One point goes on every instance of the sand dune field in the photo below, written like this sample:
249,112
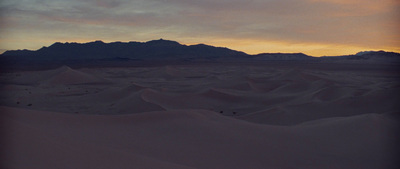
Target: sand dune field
200,116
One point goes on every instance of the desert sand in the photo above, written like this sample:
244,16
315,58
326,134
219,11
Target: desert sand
200,116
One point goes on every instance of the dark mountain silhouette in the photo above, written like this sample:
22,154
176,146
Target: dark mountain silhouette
156,49
366,57
375,55
161,52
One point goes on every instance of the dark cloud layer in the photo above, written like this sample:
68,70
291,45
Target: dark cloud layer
314,25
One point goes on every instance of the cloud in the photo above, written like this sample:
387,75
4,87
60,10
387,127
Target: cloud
108,3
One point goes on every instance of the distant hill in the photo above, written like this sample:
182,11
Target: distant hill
366,57
283,56
161,51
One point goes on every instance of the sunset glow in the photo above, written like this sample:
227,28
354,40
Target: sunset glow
313,27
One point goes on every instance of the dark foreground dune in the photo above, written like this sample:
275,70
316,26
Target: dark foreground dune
201,116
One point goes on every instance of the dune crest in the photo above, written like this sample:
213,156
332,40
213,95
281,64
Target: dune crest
67,76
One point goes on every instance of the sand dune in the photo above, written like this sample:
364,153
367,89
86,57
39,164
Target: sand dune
134,103
200,116
67,76
60,76
193,139
332,93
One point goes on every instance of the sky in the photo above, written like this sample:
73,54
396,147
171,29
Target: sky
313,27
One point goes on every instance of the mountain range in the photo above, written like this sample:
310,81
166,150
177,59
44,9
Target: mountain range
161,50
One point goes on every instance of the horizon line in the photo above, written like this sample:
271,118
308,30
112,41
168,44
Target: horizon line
188,44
